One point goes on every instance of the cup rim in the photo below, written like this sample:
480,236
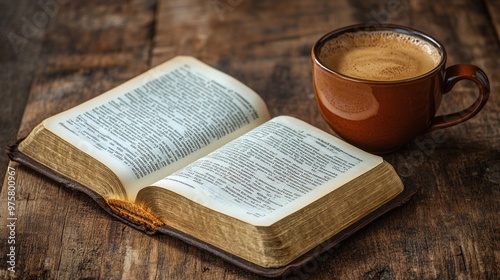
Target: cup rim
375,27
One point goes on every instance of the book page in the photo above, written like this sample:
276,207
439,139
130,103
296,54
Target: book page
160,121
271,171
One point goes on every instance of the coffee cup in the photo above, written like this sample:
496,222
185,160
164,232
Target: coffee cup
379,87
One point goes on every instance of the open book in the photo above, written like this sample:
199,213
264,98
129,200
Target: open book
186,150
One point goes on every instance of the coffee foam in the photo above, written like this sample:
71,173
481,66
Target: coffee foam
379,55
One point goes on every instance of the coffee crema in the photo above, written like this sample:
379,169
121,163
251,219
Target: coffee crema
379,55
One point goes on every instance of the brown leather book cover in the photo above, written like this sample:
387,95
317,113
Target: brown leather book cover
315,253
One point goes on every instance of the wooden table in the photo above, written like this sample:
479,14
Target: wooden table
57,54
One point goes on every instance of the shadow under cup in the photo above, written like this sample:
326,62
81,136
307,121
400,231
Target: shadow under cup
382,114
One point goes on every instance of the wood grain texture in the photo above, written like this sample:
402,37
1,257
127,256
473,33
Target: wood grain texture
494,14
19,49
449,230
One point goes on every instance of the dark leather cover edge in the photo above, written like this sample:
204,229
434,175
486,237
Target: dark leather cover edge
315,253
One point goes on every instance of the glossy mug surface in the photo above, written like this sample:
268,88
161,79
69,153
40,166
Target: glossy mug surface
379,87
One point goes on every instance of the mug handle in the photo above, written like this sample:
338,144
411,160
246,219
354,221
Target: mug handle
454,74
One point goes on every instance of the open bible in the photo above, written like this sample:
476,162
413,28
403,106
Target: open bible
188,151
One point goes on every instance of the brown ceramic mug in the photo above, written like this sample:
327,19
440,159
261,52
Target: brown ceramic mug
379,87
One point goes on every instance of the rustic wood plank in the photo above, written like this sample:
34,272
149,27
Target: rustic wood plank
494,13
449,230
20,46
